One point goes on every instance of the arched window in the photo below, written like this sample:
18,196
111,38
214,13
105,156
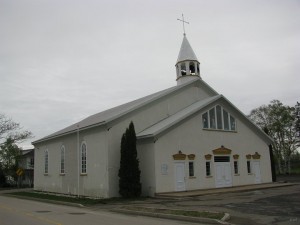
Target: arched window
46,161
183,69
62,159
83,158
219,119
192,68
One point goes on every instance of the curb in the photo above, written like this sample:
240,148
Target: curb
175,217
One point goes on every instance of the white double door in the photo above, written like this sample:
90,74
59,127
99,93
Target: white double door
223,174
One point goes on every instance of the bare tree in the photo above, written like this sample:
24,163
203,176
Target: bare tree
12,130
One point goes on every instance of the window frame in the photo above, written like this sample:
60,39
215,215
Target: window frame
249,167
236,167
46,162
211,119
208,168
62,159
83,161
191,169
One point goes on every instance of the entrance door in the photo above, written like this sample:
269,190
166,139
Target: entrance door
223,171
256,171
180,176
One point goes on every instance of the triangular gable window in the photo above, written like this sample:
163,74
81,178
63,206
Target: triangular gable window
218,118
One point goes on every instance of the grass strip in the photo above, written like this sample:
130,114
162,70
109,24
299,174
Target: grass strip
73,199
190,213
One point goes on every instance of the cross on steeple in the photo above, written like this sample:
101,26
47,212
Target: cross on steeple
183,21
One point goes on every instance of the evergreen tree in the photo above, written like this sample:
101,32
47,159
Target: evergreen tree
129,173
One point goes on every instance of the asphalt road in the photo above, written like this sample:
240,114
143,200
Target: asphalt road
15,211
279,206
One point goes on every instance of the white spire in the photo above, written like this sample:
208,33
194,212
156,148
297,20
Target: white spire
186,52
187,65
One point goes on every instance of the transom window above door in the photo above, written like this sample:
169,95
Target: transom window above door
218,118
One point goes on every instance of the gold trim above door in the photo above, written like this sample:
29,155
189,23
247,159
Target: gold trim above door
222,151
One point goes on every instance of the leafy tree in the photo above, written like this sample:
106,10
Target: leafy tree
129,172
10,134
2,177
277,120
9,155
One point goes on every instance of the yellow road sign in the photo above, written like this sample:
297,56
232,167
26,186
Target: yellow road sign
20,172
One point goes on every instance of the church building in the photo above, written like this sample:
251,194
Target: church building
189,137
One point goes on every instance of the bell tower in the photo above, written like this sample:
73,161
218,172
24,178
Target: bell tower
187,65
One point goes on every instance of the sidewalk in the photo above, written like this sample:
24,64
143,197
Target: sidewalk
221,190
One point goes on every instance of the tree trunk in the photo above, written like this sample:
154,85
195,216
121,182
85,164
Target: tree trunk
279,165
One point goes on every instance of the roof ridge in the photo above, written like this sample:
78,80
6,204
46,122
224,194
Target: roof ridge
89,122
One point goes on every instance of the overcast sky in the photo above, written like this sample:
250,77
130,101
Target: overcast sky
63,60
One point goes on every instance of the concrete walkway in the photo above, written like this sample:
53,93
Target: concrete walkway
202,192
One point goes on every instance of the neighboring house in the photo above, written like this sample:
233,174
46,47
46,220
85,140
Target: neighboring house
189,137
25,167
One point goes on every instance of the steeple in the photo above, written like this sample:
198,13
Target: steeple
187,65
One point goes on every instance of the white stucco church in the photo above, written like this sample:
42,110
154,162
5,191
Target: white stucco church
189,137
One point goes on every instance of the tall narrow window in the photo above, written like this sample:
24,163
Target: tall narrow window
236,167
219,117
226,120
248,166
62,159
191,169
212,119
83,158
208,172
46,162
31,164
205,120
232,123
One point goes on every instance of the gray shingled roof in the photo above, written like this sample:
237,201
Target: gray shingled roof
186,52
177,117
114,113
